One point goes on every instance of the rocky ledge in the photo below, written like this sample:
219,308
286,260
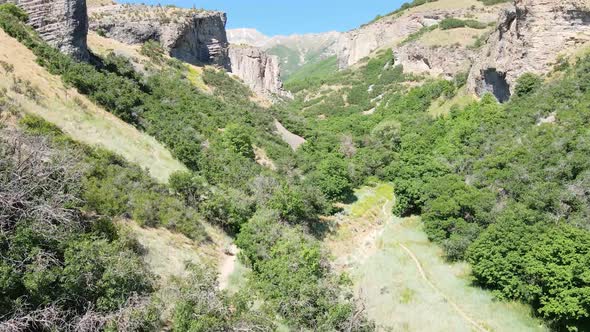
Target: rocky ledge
194,36
62,23
530,37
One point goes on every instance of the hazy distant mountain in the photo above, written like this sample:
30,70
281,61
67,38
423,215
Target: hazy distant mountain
294,50
247,36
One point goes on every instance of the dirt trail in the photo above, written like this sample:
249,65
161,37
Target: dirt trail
404,282
476,325
227,266
456,307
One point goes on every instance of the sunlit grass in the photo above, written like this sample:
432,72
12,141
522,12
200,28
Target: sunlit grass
398,297
79,117
388,279
195,76
371,197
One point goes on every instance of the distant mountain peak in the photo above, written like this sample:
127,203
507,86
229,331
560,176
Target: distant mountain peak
247,36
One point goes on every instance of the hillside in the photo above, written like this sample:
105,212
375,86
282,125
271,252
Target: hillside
75,114
294,51
428,170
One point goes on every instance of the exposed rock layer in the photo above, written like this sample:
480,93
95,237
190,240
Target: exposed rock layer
529,38
257,69
194,36
62,23
445,61
357,44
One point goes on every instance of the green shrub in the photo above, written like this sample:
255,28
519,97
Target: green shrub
14,11
333,179
453,23
493,2
203,308
526,84
237,139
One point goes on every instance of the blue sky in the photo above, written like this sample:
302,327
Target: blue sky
287,17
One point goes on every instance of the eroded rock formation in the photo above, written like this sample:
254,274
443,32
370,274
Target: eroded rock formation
530,37
62,23
194,36
357,44
443,61
257,69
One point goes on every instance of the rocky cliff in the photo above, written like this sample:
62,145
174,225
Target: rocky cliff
293,51
388,31
194,36
257,69
62,23
529,38
441,60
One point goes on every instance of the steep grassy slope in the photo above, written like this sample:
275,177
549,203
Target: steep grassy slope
76,115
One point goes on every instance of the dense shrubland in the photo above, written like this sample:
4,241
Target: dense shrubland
504,187
61,265
225,186
501,186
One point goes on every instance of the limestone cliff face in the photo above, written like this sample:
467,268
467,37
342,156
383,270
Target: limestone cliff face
529,38
257,69
357,44
354,45
62,23
194,36
440,61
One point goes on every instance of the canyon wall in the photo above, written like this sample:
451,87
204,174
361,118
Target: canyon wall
62,23
194,36
257,69
529,37
389,31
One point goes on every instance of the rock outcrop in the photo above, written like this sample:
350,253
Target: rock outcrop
441,61
194,36
62,23
530,37
294,51
257,69
357,44
388,31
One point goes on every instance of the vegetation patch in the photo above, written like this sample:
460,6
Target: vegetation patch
454,23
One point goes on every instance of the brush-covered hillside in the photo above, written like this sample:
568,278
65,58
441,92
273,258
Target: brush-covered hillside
429,170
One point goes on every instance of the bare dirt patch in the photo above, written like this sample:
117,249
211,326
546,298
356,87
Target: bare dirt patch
293,140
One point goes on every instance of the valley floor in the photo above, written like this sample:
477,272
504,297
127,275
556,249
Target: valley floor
403,280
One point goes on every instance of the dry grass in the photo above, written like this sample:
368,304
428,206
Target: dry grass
405,283
79,117
103,46
445,4
263,159
357,228
167,253
461,36
99,3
